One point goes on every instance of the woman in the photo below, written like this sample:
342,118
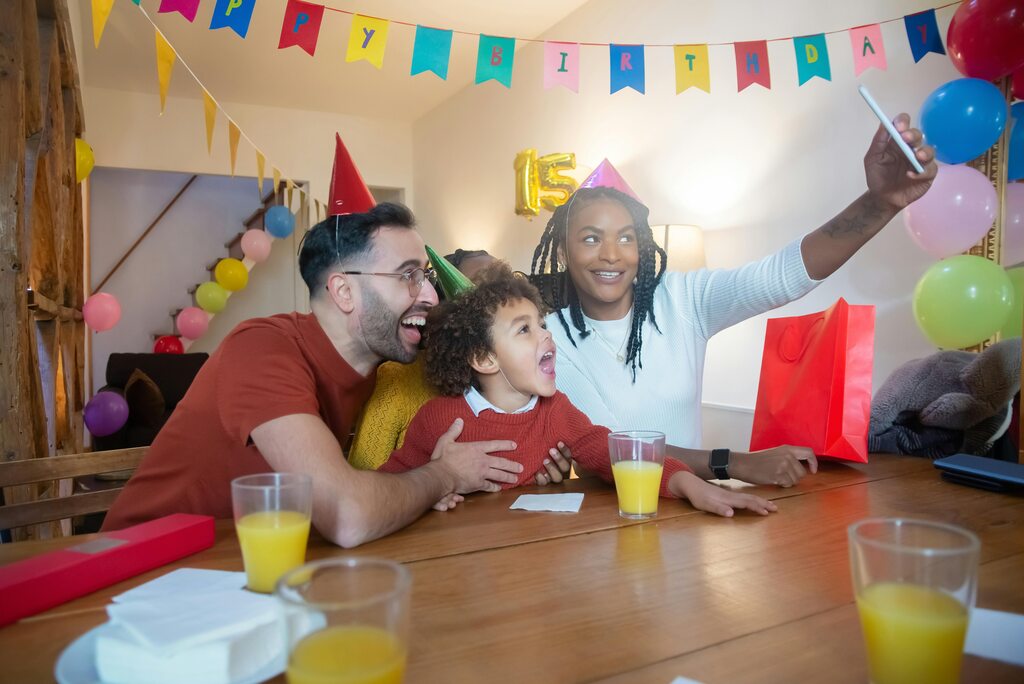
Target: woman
632,339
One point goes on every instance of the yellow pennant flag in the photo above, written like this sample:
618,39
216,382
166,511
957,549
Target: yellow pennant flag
317,211
692,67
260,162
100,13
233,135
290,187
277,180
367,40
164,66
210,108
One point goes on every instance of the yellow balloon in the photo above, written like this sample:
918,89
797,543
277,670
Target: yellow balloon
551,181
526,183
231,274
84,160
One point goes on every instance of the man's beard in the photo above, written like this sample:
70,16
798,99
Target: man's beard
380,328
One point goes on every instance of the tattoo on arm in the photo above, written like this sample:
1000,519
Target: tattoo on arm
859,219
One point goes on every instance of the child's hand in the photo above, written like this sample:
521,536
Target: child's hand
448,502
708,497
557,467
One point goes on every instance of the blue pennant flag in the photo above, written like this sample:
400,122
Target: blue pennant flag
430,51
812,58
233,14
923,34
627,67
494,59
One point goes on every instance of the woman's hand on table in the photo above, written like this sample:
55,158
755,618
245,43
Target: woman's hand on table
705,496
780,466
556,467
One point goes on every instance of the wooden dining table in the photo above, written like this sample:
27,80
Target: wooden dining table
514,596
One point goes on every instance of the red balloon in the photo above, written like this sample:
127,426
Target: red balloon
168,344
1018,84
986,38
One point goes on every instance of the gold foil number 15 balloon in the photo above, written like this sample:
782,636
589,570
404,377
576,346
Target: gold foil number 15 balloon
539,182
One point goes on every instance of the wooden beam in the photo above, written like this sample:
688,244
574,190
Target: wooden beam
71,465
20,515
44,308
34,75
57,10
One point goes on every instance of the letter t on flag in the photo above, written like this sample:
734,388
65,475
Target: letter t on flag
562,65
367,40
692,67
301,25
868,48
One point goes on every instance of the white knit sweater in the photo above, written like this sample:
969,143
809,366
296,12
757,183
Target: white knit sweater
690,308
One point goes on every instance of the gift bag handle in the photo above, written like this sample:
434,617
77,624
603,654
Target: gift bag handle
808,337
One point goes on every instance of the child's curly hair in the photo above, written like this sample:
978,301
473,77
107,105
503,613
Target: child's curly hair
459,330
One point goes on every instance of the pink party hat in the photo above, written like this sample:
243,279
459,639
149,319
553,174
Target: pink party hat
605,176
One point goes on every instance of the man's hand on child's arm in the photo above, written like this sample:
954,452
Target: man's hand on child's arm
705,496
557,467
470,463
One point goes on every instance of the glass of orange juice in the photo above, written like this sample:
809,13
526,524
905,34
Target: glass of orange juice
348,621
272,514
638,458
915,582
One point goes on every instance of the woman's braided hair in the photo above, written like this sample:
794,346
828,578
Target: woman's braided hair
650,269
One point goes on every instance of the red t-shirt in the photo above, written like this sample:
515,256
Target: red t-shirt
552,420
266,368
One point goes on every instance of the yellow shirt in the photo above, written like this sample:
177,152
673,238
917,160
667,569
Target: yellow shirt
400,392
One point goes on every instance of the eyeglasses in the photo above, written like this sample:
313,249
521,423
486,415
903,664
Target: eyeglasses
413,279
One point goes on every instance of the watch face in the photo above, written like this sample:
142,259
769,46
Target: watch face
719,458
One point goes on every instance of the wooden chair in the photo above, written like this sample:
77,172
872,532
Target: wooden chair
36,470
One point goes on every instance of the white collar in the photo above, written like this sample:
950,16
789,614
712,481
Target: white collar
478,403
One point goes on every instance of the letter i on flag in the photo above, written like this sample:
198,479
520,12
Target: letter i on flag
430,51
812,58
100,14
301,25
752,65
186,8
923,34
692,67
367,40
494,59
868,48
562,65
233,14
165,57
627,67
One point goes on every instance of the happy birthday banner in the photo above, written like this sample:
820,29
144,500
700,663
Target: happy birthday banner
368,39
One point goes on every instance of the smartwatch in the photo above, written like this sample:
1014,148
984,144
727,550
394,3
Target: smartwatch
719,463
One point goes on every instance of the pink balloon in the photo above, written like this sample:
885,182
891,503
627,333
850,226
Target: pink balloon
101,312
1013,226
954,214
192,322
256,244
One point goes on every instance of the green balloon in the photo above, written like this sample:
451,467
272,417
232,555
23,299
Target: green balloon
962,301
1015,323
211,297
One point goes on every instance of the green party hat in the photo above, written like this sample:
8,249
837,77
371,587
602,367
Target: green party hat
451,279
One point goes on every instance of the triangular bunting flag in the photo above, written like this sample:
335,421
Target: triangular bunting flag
186,8
260,166
923,34
494,58
349,194
100,14
752,65
165,57
868,48
277,180
812,58
301,25
627,67
289,189
367,40
562,65
233,14
210,112
430,51
233,136
319,211
693,69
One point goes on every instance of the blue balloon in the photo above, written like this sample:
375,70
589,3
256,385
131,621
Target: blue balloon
963,118
278,221
1015,155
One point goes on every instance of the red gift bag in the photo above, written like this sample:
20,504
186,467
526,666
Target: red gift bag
815,387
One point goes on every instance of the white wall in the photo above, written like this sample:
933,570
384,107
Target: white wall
756,169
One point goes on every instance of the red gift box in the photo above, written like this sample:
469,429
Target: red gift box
50,579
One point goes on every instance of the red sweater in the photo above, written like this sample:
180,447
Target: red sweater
552,420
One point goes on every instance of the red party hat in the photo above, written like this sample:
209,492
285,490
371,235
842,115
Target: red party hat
605,176
349,194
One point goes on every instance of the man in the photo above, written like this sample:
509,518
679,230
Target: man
282,393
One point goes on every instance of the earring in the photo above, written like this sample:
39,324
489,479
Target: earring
634,281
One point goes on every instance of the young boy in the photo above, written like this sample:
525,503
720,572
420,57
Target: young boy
492,359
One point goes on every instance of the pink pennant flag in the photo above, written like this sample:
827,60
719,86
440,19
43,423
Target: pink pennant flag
562,65
868,48
186,8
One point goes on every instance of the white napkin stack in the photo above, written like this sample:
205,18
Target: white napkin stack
558,503
190,625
